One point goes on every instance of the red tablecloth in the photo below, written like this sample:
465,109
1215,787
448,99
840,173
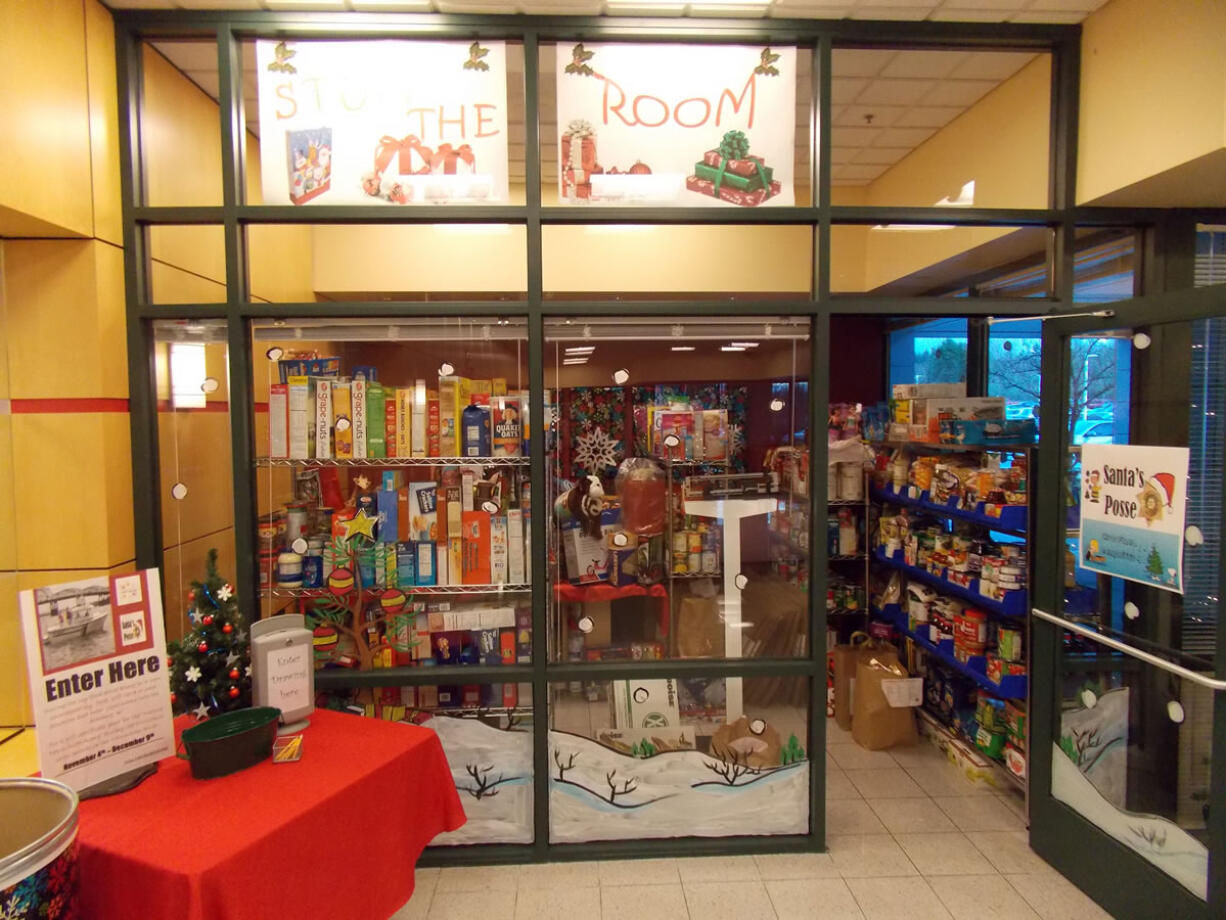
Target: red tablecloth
334,835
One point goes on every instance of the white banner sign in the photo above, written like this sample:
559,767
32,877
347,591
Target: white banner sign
1133,500
686,125
96,651
405,122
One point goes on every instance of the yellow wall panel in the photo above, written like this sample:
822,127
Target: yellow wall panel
14,692
169,285
8,544
180,137
44,108
183,564
112,340
4,324
103,121
215,366
52,294
117,462
195,450
199,249
281,259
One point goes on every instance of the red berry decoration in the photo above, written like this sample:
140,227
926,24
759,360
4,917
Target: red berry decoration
234,674
208,620
202,647
233,692
227,629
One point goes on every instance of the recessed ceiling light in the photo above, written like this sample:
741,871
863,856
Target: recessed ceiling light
732,348
574,360
682,348
744,344
581,350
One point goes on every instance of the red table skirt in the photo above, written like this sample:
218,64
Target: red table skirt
334,835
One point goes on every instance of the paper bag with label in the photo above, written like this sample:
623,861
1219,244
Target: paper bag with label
700,631
875,723
845,657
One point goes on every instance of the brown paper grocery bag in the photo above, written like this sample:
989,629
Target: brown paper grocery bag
845,657
700,632
876,724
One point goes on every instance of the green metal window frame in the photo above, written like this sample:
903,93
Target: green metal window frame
226,29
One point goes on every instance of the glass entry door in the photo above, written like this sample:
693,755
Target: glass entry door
1129,647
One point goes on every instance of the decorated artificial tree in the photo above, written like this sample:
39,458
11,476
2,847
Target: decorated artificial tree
210,667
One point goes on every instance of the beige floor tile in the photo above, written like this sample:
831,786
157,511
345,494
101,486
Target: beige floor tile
944,854
479,878
1054,897
813,899
1015,802
494,904
418,906
836,735
643,902
919,755
944,779
559,875
556,903
980,813
869,855
838,786
639,872
852,816
897,899
854,757
1010,853
978,897
729,901
911,816
428,875
795,865
892,783
718,869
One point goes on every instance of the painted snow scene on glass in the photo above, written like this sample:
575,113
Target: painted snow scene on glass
491,762
643,769
1090,775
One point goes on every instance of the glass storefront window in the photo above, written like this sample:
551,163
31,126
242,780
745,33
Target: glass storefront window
933,351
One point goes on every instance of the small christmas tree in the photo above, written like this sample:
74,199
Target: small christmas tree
1154,564
210,667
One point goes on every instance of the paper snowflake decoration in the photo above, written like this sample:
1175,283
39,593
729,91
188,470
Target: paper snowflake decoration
595,450
736,440
225,592
192,674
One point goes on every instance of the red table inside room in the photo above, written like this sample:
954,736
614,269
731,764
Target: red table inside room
334,835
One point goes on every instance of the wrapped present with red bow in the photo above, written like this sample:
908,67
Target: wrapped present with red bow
309,157
731,174
578,160
451,161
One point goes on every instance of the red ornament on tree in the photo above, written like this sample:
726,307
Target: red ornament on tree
202,647
227,629
191,595
208,620
234,674
233,692
173,698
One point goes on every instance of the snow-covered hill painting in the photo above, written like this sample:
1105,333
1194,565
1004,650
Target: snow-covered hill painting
596,793
492,769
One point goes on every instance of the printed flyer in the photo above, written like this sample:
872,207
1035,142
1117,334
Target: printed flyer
95,653
379,122
1133,500
684,125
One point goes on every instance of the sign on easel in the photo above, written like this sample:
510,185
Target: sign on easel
96,655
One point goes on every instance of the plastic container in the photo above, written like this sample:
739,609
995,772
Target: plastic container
38,853
230,742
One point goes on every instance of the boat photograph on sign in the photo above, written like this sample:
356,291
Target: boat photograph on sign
74,623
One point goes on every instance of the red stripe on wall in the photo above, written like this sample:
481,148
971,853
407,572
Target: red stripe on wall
52,406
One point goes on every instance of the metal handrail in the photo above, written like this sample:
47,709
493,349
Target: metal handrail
1197,677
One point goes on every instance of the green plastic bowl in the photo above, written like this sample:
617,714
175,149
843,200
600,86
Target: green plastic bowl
230,742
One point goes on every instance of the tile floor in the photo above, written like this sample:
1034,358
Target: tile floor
909,839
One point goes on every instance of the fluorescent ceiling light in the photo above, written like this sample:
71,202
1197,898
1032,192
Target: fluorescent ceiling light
581,350
574,360
965,199
744,344
913,228
682,348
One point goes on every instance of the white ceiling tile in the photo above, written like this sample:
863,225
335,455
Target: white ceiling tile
881,156
840,155
809,12
928,117
991,65
140,4
614,8
248,52
845,89
895,92
563,7
836,111
189,55
304,4
470,6
944,15
218,4
903,137
860,62
738,10
959,92
853,137
897,4
892,13
848,183
1011,6
1052,17
860,171
1068,6
814,4
869,116
207,80
932,65
392,6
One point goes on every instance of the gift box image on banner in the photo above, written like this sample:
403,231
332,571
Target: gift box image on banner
676,124
379,122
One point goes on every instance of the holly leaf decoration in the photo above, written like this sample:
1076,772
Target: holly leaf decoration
579,56
475,54
767,66
283,53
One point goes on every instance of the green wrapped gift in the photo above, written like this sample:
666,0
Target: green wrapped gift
743,183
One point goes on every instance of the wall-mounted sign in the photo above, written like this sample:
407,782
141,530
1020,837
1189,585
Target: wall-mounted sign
95,651
1133,500
401,122
686,125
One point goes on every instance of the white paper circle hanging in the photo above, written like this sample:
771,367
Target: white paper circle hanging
776,405
671,440
1088,699
741,581
274,353
620,376
490,507
300,546
586,624
1174,710
342,424
178,491
620,539
757,726
1131,610
446,369
209,385
1141,341
1193,536
641,694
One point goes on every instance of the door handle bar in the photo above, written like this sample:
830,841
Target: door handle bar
1197,677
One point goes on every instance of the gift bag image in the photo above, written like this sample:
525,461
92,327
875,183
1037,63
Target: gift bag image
876,723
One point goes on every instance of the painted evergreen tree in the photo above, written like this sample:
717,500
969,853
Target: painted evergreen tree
1154,564
210,667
